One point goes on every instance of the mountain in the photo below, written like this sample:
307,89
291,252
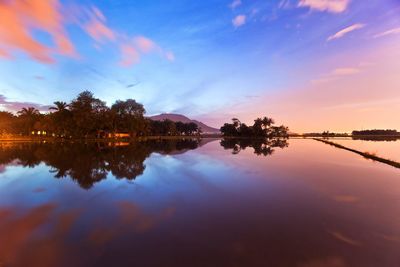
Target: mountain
178,117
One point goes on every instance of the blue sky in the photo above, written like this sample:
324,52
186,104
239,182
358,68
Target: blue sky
206,59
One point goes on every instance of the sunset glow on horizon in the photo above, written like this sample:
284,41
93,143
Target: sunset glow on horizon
313,65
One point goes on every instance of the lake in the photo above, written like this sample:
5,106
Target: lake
294,202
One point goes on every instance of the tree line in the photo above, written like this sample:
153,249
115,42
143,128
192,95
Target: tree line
262,127
87,116
376,132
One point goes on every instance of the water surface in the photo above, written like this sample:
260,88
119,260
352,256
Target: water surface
191,203
388,148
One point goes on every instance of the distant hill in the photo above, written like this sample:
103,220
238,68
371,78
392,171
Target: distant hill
178,117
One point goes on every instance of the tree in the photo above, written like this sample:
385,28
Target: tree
7,123
128,116
261,128
59,106
88,115
28,117
61,117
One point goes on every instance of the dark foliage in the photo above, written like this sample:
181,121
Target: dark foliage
263,147
376,132
89,117
261,128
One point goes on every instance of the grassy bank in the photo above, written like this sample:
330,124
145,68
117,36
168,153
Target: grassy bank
364,154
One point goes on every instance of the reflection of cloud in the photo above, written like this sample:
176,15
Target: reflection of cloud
345,31
39,190
16,231
16,106
328,262
340,236
345,198
131,216
333,6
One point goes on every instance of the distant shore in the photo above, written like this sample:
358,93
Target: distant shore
141,138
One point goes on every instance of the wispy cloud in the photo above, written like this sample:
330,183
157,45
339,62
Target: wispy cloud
21,19
345,31
345,71
96,27
15,106
284,4
336,74
170,56
388,32
239,20
333,6
129,55
235,4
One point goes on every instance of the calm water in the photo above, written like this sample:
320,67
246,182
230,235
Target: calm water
184,203
388,149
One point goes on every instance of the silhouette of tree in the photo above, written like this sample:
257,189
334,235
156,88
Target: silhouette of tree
261,128
28,117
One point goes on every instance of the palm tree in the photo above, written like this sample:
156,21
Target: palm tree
59,106
60,116
29,117
28,112
266,122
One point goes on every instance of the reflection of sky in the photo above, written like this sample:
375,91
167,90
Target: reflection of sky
310,64
307,199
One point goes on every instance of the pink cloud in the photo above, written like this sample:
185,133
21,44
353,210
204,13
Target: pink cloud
345,31
346,71
129,55
21,18
170,56
144,44
96,27
239,20
388,32
235,4
15,106
333,6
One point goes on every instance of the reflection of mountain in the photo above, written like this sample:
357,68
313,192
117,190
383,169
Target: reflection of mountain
91,162
263,147
177,117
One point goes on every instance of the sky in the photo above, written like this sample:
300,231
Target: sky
313,65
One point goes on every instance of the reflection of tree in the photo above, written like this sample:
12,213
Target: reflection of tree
263,147
377,138
90,163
